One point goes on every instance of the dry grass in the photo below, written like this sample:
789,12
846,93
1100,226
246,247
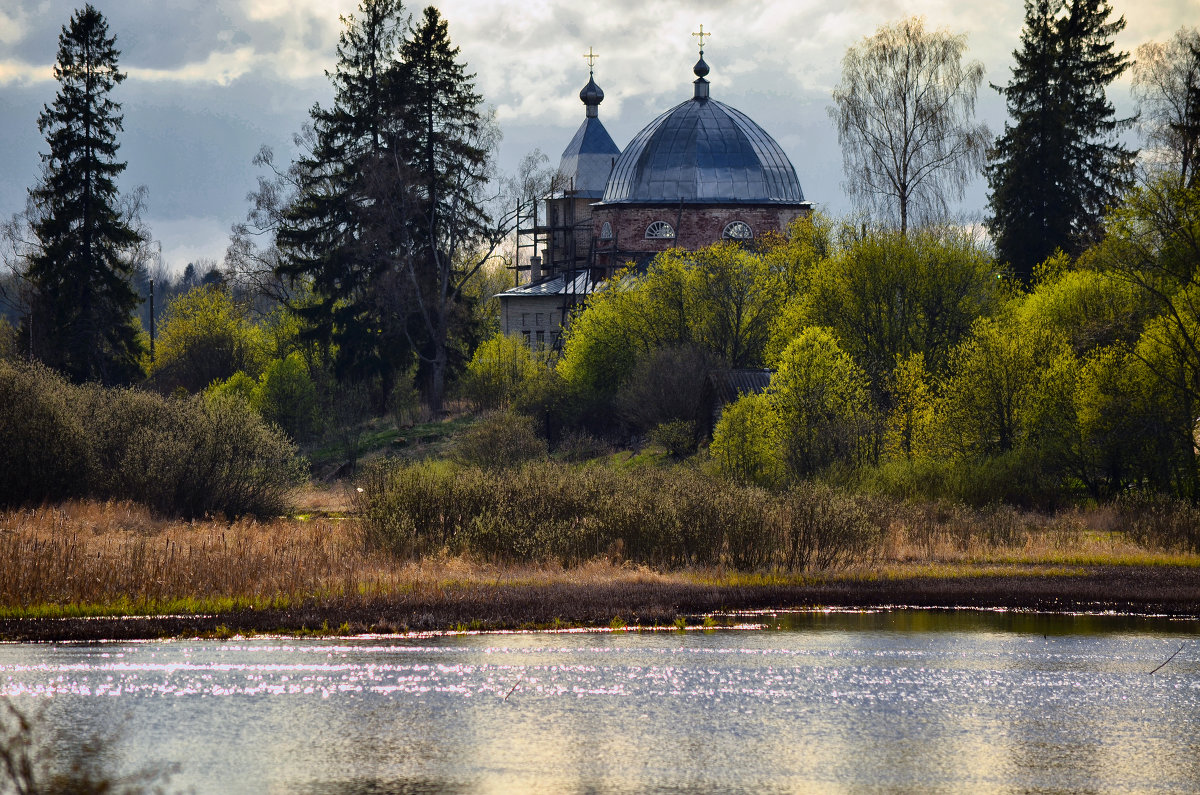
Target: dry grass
91,558
115,557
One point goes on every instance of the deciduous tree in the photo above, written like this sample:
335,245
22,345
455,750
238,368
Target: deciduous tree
1166,82
905,117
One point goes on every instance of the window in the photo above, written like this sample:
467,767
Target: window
660,230
606,231
738,230
538,319
541,339
524,318
526,335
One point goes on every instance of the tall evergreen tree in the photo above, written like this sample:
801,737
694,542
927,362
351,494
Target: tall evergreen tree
448,141
388,221
339,231
1057,165
80,316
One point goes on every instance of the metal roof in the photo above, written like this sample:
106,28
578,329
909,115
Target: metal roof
703,152
588,159
580,283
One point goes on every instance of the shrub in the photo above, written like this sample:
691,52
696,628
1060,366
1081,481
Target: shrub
745,444
45,448
189,456
664,517
667,385
1159,521
823,528
498,371
287,396
499,440
205,337
678,437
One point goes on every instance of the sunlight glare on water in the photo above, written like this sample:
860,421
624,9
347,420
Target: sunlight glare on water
884,701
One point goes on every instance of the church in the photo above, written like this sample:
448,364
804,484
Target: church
700,173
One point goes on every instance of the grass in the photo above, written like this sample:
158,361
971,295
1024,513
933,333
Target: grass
90,559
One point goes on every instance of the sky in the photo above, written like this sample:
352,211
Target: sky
212,81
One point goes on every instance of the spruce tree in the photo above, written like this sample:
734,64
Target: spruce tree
80,316
448,142
388,215
1057,165
342,230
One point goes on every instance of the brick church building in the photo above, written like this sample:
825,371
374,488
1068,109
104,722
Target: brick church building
700,173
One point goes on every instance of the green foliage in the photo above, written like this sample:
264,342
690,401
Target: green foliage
1089,308
46,450
989,398
677,437
80,316
287,396
821,399
746,442
501,439
204,338
237,385
189,457
500,372
886,296
721,300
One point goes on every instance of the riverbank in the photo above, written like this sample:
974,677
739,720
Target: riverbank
93,571
656,601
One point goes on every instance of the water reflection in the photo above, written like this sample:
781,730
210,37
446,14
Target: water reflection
894,700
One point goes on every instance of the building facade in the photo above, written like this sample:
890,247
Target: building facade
700,173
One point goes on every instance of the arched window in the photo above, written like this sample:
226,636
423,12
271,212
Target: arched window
738,230
606,231
660,230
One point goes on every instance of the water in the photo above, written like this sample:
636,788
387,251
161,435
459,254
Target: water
889,701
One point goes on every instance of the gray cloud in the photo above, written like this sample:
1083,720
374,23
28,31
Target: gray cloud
212,81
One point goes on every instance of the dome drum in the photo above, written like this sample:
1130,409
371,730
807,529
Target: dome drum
694,227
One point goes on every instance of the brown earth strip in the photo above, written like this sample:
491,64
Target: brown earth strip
1150,590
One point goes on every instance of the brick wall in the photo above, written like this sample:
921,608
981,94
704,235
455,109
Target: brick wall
695,226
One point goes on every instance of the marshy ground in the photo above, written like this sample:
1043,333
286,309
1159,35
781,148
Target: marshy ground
88,570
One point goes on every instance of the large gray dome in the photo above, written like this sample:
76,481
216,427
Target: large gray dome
703,152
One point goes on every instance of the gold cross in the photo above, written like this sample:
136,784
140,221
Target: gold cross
701,36
591,58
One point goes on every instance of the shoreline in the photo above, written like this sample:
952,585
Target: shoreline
1159,590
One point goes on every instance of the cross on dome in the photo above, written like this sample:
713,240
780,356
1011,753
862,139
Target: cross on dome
701,36
590,57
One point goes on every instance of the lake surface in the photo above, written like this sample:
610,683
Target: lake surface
890,701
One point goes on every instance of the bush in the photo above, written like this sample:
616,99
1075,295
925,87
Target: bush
663,517
823,528
287,396
45,448
1159,521
205,337
189,456
497,373
677,437
500,440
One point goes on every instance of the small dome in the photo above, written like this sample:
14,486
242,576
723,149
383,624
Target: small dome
703,152
591,93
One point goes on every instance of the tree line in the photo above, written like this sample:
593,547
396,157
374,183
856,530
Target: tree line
362,265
